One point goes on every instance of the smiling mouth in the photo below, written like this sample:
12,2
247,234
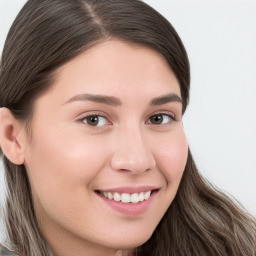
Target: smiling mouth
126,197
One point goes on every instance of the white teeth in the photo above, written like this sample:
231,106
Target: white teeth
135,198
147,195
110,196
127,198
117,197
141,196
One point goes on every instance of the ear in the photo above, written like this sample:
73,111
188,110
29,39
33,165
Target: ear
12,137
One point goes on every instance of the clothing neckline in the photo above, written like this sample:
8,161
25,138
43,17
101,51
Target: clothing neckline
8,250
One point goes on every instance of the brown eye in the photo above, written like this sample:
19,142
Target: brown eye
161,119
156,119
95,120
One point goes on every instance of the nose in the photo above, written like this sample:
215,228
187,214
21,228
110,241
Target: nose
133,153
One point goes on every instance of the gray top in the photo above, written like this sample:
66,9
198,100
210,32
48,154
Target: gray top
4,251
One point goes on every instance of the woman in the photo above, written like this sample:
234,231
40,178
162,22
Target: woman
92,95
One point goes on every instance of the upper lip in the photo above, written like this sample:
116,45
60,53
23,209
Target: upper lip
130,190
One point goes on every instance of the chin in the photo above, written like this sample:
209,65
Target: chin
129,242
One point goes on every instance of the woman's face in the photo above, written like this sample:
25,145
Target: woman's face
109,127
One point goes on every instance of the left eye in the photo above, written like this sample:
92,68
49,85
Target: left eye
95,120
160,119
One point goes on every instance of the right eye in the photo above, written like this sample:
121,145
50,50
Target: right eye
94,120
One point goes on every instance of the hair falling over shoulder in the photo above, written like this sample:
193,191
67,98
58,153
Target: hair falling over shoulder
47,34
203,221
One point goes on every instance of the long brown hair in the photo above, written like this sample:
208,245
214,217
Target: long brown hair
46,34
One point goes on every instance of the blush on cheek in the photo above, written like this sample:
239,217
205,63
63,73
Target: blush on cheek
173,161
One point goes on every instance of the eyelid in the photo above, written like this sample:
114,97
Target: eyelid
92,113
164,112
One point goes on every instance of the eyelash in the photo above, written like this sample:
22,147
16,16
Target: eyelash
98,116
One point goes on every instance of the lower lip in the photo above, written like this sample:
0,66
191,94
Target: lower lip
129,209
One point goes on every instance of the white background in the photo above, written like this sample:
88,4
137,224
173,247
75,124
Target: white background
220,123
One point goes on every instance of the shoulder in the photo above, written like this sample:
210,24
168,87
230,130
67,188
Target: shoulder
6,252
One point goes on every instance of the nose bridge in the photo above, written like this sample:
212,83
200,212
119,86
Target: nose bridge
132,152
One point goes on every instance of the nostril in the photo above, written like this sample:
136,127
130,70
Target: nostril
134,170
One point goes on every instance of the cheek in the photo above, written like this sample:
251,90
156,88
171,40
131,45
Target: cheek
60,170
66,153
62,165
172,157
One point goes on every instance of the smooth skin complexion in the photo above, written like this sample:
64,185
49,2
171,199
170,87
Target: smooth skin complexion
112,123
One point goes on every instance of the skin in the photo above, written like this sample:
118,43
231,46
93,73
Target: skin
68,159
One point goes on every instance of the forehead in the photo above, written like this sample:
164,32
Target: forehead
116,68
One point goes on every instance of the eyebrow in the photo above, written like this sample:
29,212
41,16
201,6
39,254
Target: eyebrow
171,97
108,100
114,101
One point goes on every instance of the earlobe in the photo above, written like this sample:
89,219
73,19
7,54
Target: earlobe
11,137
